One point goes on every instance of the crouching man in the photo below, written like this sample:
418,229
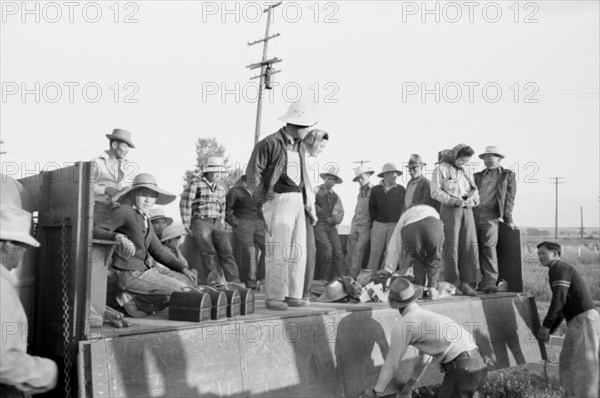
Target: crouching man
464,368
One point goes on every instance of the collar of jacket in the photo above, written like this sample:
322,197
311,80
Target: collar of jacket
499,168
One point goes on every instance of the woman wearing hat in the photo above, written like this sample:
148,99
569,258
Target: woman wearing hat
129,224
456,353
458,194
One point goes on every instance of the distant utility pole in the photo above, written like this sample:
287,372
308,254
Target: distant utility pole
556,182
266,69
581,228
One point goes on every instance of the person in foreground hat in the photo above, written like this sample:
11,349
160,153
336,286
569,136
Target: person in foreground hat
458,194
171,240
330,214
110,172
463,367
385,207
159,220
497,189
129,224
277,174
420,234
19,372
245,217
202,209
578,367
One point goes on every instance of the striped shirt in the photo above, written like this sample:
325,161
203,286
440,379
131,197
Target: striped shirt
201,199
570,296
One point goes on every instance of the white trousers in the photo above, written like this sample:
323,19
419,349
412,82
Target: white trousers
285,246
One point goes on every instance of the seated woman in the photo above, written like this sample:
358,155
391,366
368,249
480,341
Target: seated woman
129,224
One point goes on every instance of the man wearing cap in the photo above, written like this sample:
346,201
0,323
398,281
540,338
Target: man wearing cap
111,172
463,367
19,372
578,367
360,228
330,214
159,220
418,189
497,189
277,173
385,207
129,224
202,208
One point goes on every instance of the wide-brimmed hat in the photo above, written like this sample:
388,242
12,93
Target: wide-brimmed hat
491,150
331,172
415,160
213,164
389,167
173,231
158,213
402,293
15,225
121,135
147,180
334,291
301,113
362,169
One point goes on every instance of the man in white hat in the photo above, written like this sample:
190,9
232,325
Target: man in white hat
385,208
418,188
19,372
497,189
456,353
330,214
203,210
111,172
277,173
360,228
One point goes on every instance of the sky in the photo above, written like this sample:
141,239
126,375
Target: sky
389,78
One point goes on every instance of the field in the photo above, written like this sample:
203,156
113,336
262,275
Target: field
521,382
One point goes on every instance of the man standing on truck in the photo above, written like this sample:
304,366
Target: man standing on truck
19,372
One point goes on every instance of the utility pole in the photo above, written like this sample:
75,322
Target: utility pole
266,69
581,228
556,182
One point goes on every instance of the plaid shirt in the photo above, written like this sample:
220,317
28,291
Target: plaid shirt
202,200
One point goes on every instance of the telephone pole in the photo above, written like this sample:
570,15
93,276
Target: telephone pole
266,69
581,228
556,182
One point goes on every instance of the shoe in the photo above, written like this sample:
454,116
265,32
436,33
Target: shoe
276,305
489,288
502,286
294,302
433,293
126,301
251,284
467,290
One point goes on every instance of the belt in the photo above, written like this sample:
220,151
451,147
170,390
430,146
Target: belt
286,189
208,219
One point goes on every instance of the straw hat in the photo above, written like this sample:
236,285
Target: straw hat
15,223
146,180
158,213
334,291
213,164
121,135
301,113
389,167
331,172
362,169
491,150
173,231
402,293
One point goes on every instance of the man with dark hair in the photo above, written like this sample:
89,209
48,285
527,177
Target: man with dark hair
497,189
571,300
110,172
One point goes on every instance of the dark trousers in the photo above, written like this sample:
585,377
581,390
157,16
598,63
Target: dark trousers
329,252
215,247
487,224
463,375
311,258
423,242
250,236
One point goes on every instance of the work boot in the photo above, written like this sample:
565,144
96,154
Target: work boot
467,290
126,301
251,284
276,305
294,302
433,293
489,288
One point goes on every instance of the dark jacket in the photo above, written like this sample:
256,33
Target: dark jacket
506,190
267,163
386,206
422,195
570,296
240,204
126,220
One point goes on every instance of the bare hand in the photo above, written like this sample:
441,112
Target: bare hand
544,334
511,225
189,274
110,191
126,245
